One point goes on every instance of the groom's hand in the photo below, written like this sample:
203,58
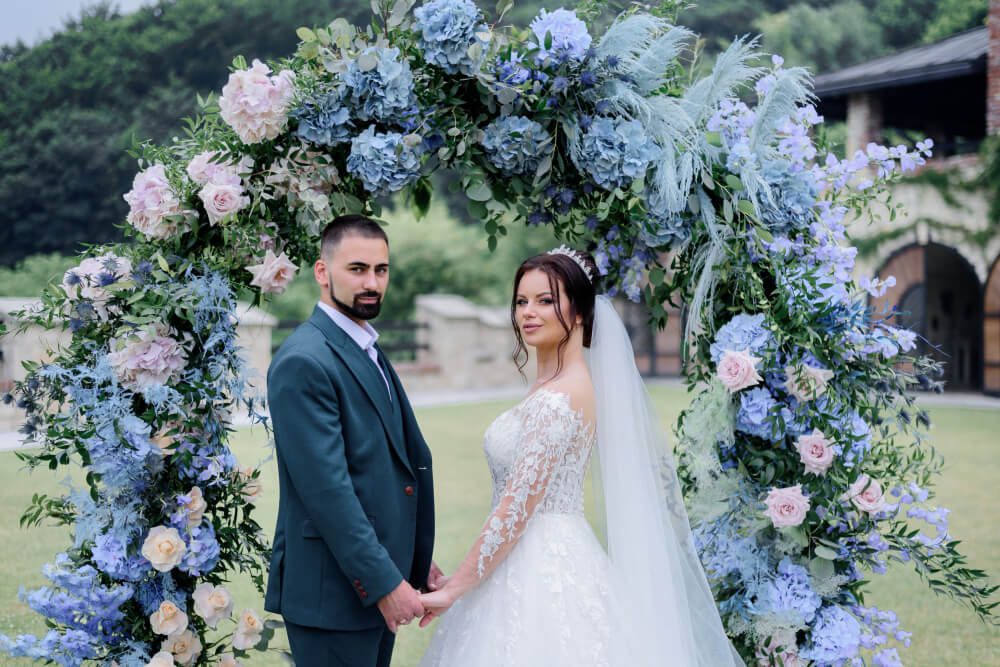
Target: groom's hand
436,578
400,606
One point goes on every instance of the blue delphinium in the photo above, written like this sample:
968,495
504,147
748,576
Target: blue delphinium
324,119
789,206
742,332
789,595
380,84
68,648
570,39
516,145
836,637
447,29
615,152
383,161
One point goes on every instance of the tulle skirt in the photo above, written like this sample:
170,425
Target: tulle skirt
550,603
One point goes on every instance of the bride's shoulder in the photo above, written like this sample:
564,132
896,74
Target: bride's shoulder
575,391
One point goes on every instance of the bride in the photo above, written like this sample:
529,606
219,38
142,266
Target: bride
537,587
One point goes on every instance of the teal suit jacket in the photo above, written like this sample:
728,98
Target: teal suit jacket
356,506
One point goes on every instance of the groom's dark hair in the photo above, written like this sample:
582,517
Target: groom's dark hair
352,223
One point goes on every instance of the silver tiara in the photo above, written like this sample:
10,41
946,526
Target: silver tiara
575,256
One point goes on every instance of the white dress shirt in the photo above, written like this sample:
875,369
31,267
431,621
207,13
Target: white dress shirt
364,335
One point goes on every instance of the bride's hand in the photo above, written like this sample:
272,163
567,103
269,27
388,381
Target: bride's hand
435,603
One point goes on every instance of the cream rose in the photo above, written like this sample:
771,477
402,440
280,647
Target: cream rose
185,647
163,548
162,659
806,383
195,506
212,603
738,370
168,619
253,488
222,200
273,274
866,494
815,451
787,506
248,630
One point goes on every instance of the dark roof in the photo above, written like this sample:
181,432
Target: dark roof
959,55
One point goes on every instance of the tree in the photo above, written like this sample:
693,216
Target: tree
954,16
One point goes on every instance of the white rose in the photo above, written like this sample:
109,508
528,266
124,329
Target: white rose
806,383
162,659
273,274
227,660
248,630
212,603
163,548
195,506
738,370
168,619
185,647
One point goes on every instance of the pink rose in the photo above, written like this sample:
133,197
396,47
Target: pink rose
781,649
273,274
154,209
205,167
805,382
866,494
738,370
223,199
787,506
815,451
255,104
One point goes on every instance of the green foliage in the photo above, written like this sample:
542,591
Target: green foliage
954,16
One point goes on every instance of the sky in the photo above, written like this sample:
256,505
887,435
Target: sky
34,20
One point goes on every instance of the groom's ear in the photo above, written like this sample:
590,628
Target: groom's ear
319,272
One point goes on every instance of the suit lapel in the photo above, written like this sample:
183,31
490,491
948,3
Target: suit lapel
365,372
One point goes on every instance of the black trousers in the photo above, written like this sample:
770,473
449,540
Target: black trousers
315,647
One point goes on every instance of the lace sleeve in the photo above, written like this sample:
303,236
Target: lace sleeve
549,434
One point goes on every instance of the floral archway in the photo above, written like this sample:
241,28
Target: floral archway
802,453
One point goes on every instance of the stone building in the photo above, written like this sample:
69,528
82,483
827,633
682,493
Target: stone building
943,249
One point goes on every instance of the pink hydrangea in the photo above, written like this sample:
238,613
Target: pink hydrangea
147,357
91,279
154,208
255,104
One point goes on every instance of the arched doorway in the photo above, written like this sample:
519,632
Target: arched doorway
938,295
991,331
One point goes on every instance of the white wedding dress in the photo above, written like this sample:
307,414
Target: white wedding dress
550,595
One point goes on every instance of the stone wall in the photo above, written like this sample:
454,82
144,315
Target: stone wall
38,344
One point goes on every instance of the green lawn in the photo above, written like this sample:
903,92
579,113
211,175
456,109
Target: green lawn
944,634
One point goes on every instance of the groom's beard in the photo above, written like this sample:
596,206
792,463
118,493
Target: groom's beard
358,310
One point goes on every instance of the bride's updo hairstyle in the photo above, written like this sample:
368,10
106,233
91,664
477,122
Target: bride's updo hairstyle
577,287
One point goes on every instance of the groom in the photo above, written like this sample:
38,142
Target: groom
355,526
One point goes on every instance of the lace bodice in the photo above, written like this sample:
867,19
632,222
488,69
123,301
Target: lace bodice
538,453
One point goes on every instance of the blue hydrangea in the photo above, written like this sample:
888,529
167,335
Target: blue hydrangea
789,595
789,207
202,553
383,161
665,231
570,39
614,152
380,84
511,71
836,637
447,29
757,411
516,145
110,555
742,332
324,119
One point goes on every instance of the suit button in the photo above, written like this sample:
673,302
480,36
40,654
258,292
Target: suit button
408,490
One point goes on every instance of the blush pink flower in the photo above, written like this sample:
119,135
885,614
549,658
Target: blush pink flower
205,167
786,507
255,104
223,198
89,282
147,357
154,208
738,370
866,494
273,274
805,382
815,451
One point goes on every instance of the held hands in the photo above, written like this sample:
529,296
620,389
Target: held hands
436,603
400,606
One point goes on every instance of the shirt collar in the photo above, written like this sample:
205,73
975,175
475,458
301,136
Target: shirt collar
364,335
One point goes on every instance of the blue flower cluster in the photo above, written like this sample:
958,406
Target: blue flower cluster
665,231
380,84
759,414
324,119
742,332
788,207
570,39
383,161
447,29
516,145
789,596
511,71
836,637
614,152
